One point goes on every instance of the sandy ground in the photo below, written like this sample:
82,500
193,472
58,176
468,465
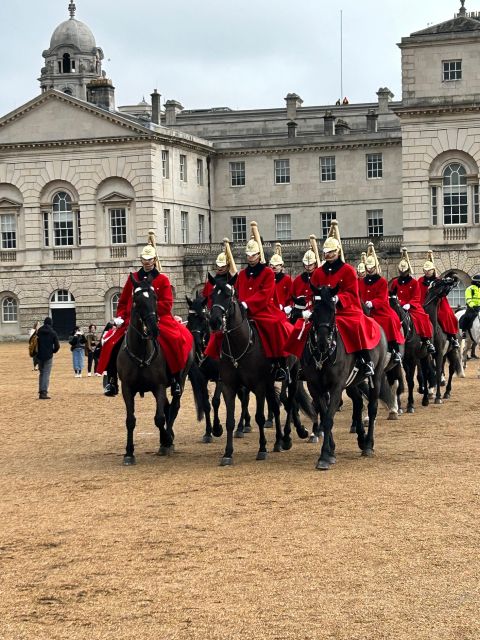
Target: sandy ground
374,549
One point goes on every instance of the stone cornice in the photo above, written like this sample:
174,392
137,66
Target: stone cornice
327,146
419,110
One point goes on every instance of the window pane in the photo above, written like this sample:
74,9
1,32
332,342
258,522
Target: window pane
201,228
237,174
452,70
327,169
375,222
374,165
199,171
114,304
239,229
282,171
455,194
165,164
183,168
166,226
283,226
8,231
118,226
9,310
325,222
184,226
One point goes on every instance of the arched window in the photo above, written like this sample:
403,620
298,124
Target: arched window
456,297
61,296
68,91
455,194
68,65
114,304
9,310
61,224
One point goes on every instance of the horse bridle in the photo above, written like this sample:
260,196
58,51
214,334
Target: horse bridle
199,350
226,332
144,335
320,356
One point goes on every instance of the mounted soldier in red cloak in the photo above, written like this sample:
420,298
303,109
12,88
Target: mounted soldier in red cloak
175,339
373,291
446,318
283,282
407,290
301,284
224,269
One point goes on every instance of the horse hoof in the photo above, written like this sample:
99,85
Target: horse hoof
367,453
268,424
392,416
410,410
262,455
331,460
277,448
353,429
302,433
247,428
446,396
238,434
166,451
128,461
217,431
322,465
226,462
207,439
286,444
425,402
438,401
313,440
400,411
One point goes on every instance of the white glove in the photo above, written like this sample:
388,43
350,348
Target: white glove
281,307
335,299
406,306
288,309
245,305
369,304
118,322
306,314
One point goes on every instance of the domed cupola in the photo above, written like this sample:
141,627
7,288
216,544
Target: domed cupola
73,59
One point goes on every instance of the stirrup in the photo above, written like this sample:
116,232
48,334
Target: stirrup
281,374
396,357
454,343
176,388
430,347
110,390
368,368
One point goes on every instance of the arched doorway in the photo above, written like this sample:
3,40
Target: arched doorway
62,309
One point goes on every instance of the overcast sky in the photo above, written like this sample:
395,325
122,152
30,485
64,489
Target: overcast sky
242,54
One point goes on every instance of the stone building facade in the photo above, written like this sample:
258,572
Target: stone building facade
82,181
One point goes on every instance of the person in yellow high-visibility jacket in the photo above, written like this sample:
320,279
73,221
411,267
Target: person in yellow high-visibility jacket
472,300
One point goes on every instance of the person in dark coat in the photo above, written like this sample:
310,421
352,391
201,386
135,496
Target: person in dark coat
48,344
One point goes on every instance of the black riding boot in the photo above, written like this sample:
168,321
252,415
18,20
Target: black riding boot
395,351
281,370
365,364
176,387
111,388
453,341
429,345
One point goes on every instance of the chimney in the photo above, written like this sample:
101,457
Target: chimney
329,123
101,93
292,129
341,127
294,102
172,108
155,107
384,96
372,121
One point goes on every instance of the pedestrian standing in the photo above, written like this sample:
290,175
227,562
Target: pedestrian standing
91,341
32,339
48,344
77,347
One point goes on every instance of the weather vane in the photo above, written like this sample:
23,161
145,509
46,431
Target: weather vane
72,8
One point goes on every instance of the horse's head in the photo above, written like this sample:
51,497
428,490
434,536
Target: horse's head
197,322
144,305
323,316
393,300
223,298
299,305
441,287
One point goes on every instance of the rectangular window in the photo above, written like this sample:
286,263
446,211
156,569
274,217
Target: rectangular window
326,218
165,164
201,228
283,226
199,171
183,168
184,226
166,226
237,174
455,207
8,231
374,165
79,229
375,222
476,205
452,70
434,201
328,171
118,226
63,228
282,171
46,229
239,229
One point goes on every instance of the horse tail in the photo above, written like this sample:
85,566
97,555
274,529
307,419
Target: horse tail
200,390
304,402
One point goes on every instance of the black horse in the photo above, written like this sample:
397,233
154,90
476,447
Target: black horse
207,370
142,367
415,356
329,369
243,364
444,351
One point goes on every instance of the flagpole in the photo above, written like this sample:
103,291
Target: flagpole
341,55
